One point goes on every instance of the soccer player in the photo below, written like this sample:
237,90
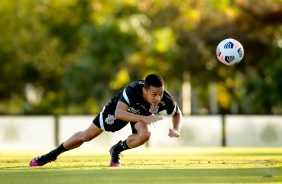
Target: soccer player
138,104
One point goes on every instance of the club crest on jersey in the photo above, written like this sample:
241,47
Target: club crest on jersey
154,109
110,119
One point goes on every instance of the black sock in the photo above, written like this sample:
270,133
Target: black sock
56,152
121,147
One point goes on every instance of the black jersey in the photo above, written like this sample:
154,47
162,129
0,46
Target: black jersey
132,95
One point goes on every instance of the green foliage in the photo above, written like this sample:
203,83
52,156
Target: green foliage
72,56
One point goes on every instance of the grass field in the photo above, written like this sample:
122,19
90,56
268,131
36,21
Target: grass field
163,165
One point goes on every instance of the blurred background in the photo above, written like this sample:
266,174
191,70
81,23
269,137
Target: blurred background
69,57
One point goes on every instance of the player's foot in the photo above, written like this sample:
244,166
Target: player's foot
115,156
40,161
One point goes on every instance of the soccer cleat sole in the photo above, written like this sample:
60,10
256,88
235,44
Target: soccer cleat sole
112,164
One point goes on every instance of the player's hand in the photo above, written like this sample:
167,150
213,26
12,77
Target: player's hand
152,118
173,133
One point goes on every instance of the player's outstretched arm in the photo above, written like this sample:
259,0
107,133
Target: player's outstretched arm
122,114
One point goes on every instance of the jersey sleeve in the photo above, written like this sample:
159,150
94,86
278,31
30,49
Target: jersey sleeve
127,94
171,105
173,110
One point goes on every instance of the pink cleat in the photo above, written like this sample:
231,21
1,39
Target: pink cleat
115,157
40,161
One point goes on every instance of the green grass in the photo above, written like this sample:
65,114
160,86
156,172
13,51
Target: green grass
166,165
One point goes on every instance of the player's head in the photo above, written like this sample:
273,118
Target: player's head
153,89
154,80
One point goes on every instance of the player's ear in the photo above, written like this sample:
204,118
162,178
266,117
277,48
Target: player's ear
143,90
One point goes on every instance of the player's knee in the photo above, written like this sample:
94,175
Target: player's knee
144,136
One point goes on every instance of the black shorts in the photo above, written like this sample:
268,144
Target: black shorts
106,121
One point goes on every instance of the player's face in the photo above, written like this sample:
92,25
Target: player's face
153,95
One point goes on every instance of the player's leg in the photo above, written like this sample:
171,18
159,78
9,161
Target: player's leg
141,134
73,142
80,137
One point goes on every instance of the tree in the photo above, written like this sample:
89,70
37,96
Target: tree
72,56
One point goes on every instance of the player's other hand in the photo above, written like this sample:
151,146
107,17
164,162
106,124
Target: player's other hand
173,133
152,118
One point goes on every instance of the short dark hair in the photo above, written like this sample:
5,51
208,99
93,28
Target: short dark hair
154,80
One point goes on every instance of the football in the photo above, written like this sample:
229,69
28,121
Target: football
230,51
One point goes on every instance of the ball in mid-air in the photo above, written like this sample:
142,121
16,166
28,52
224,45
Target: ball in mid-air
230,51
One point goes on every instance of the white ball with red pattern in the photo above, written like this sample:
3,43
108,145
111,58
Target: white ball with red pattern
230,51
